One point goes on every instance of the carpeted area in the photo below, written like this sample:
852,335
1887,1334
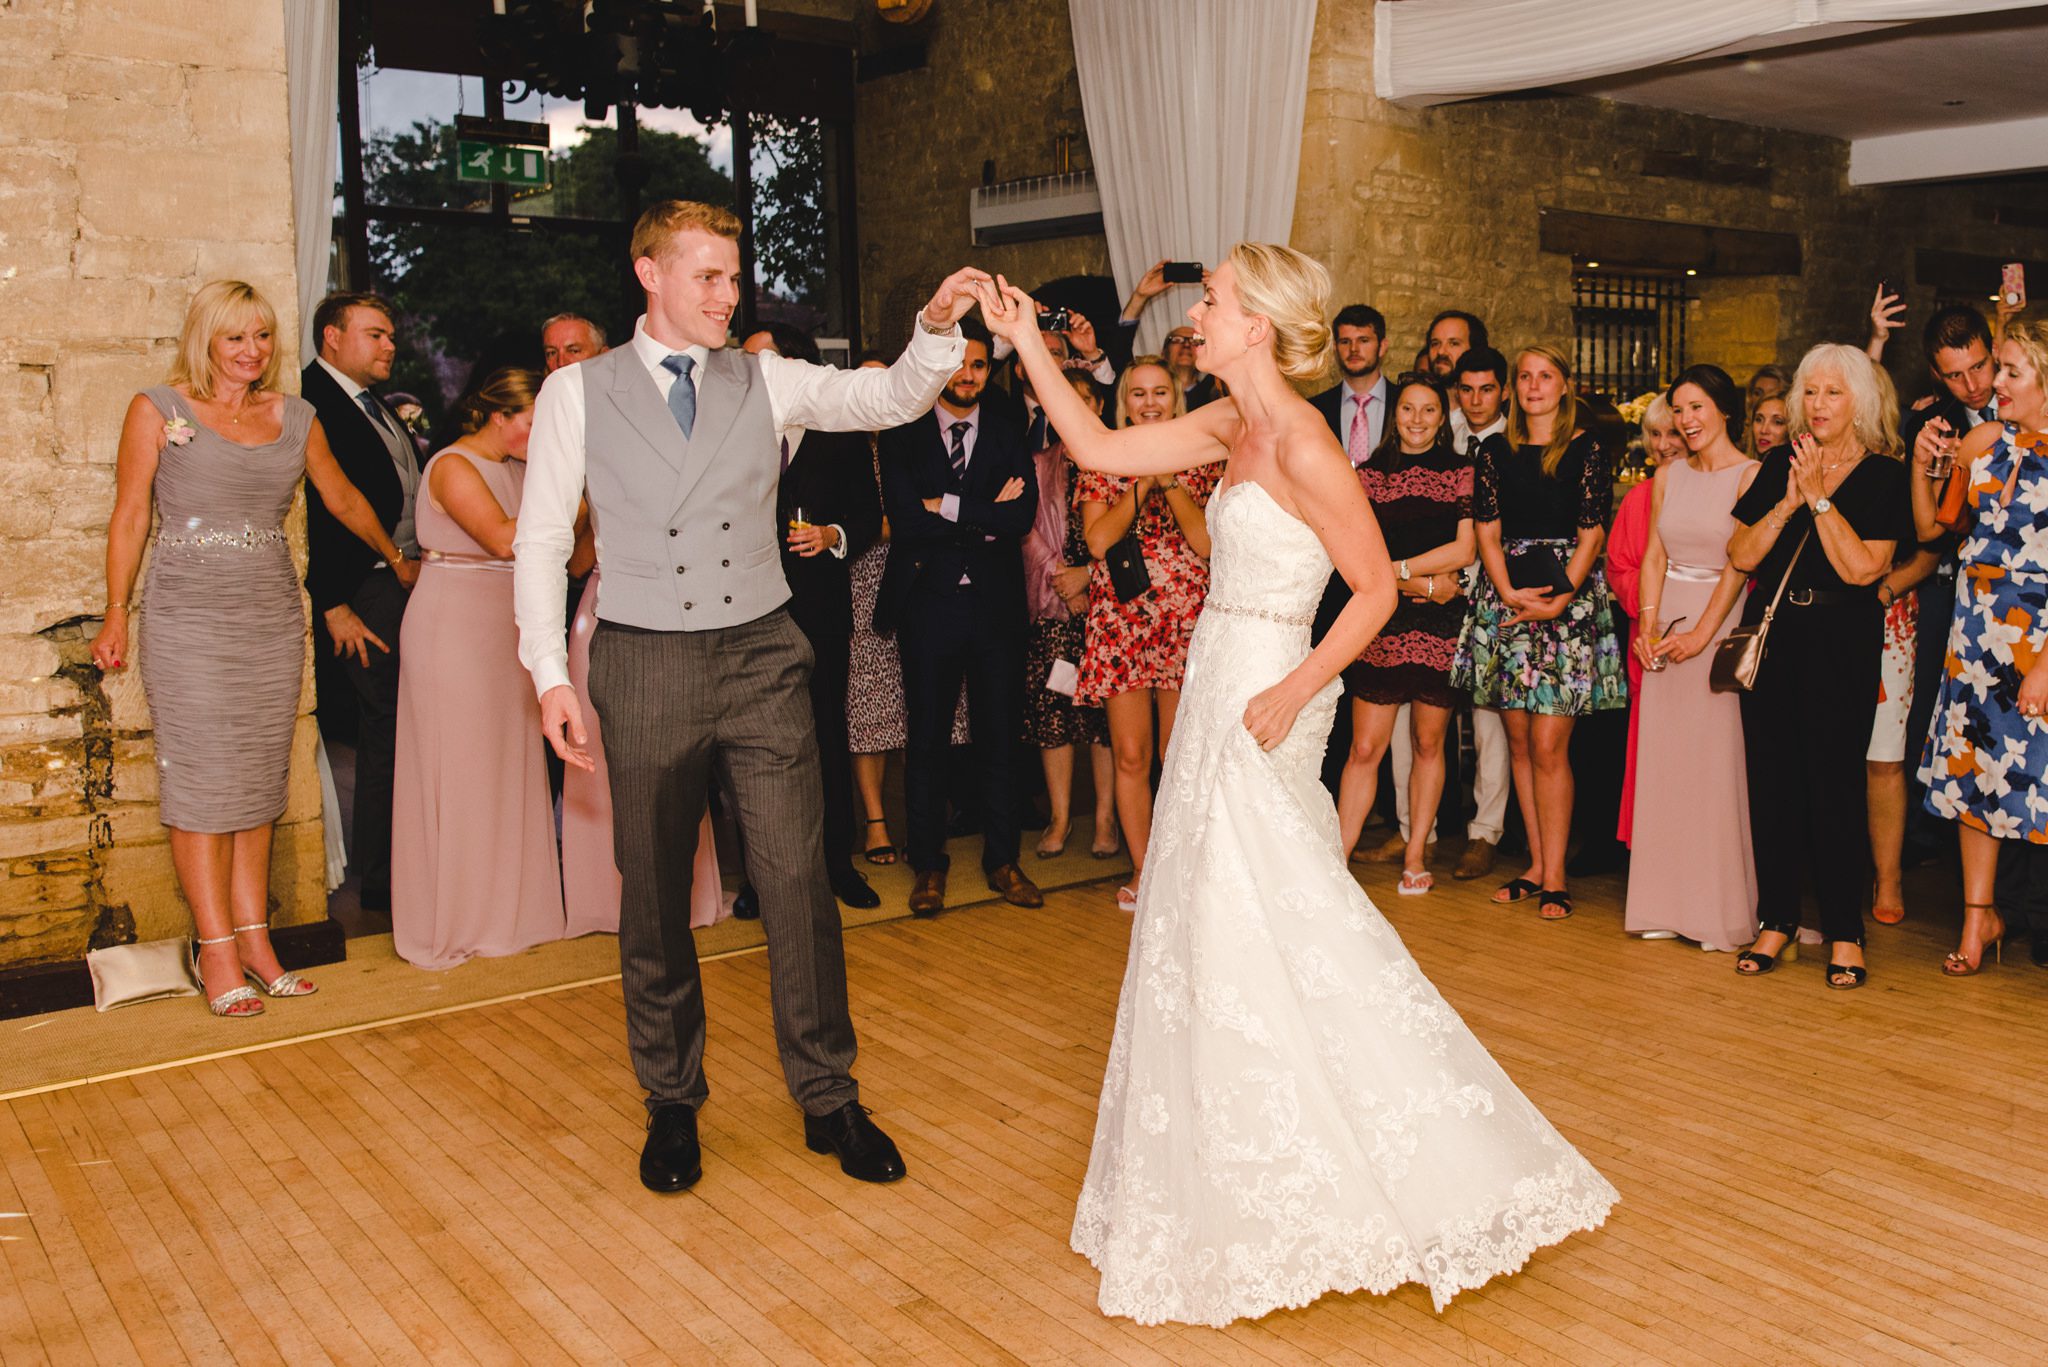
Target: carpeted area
376,987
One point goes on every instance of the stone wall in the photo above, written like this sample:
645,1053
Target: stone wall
143,151
1418,210
998,84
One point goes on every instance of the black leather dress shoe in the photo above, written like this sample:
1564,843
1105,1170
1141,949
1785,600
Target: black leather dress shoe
746,905
865,1153
852,889
671,1159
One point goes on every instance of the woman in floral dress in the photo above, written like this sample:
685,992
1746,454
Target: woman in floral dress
1543,657
1986,761
1137,651
1056,577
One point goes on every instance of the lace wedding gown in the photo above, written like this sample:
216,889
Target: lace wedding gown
1290,1109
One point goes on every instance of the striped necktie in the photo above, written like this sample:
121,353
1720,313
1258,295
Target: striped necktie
959,452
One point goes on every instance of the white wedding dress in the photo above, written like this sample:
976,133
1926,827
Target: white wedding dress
1290,1108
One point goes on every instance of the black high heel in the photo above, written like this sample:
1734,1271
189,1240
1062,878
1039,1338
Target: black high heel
879,854
1857,976
1766,963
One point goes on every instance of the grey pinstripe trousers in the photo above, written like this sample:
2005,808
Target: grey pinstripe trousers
676,708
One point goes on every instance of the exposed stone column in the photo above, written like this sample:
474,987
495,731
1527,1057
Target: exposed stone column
143,151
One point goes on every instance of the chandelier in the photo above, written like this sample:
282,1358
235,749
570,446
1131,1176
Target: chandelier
664,53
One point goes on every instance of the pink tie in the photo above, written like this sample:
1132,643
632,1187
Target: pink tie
1359,446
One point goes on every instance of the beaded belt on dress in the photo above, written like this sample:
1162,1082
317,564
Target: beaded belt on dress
220,538
1291,619
465,562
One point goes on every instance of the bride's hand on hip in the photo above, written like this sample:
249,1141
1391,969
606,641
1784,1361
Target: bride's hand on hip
1270,715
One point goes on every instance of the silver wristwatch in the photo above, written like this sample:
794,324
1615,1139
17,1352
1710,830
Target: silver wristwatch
1821,505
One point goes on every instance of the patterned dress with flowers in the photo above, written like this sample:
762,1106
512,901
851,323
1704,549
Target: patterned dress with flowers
1984,764
1144,643
1572,664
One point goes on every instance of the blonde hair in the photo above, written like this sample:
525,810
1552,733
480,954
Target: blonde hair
661,222
1123,388
1567,421
2031,337
508,391
1657,413
1873,403
1291,291
215,309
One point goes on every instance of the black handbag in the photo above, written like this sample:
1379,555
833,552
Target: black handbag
1539,567
1127,572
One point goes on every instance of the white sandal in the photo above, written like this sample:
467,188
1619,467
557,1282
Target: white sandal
286,984
1415,883
236,1002
1127,899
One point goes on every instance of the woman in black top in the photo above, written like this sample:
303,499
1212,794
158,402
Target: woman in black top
1833,506
1539,643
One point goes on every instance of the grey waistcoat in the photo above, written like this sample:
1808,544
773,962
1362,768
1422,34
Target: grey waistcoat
687,526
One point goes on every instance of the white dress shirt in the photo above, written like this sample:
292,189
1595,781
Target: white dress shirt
800,396
1375,412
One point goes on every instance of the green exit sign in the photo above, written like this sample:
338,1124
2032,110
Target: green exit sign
501,163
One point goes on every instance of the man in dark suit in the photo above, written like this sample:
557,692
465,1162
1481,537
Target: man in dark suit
961,493
358,600
1959,353
826,478
1356,409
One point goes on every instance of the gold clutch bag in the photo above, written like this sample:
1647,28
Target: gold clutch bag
125,974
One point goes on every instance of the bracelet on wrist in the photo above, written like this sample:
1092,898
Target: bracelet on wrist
111,606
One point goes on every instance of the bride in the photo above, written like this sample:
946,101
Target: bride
1290,1108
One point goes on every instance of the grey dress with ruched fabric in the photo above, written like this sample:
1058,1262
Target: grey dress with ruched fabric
222,627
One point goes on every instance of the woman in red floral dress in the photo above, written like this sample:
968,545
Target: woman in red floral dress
1137,651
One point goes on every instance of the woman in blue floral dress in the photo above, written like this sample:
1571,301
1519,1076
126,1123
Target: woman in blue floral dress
1540,501
1986,759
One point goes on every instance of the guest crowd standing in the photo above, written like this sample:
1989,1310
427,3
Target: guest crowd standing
959,583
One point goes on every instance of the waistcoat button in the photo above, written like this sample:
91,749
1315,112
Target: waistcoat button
726,564
728,598
688,606
726,526
671,531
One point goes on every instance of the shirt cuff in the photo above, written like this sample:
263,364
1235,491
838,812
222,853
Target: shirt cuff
949,507
551,671
837,550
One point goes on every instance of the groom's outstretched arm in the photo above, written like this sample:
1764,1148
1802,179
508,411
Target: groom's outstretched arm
826,399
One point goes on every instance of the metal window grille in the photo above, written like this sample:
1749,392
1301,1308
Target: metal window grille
1628,332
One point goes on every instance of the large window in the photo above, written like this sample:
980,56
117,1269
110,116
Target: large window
474,267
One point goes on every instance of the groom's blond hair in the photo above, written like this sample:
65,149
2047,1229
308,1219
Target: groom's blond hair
661,222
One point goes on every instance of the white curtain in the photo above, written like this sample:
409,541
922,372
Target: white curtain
1428,51
312,54
312,46
1194,112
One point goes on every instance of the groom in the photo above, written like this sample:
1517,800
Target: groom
696,667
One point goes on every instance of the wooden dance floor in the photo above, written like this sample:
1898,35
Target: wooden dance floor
1806,1176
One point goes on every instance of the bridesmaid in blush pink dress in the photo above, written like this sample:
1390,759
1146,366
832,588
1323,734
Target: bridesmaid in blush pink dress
473,867
590,872
1691,869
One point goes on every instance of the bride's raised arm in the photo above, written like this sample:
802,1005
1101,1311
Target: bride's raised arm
1158,448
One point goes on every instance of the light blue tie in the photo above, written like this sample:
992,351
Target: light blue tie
682,395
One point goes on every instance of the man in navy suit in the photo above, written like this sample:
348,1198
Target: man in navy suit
961,493
358,600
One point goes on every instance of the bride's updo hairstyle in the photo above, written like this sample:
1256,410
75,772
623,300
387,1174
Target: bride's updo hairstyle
1292,291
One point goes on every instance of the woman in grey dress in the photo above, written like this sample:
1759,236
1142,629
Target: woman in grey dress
219,452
